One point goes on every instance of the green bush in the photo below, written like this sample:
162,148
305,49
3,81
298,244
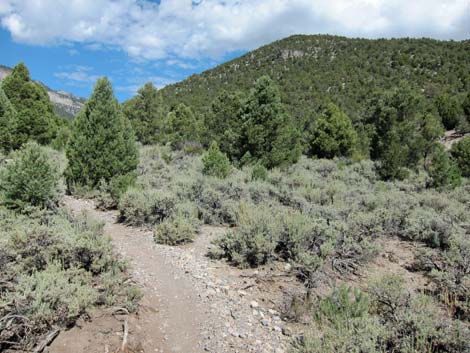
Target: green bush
54,268
259,172
426,225
389,319
411,320
178,229
255,239
453,277
139,208
30,179
460,151
110,193
215,162
346,326
55,295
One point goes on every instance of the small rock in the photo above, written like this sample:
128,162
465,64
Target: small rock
286,331
273,312
254,304
265,322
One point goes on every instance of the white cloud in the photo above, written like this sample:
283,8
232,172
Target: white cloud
77,74
210,28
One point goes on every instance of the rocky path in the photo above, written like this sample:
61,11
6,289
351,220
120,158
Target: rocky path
191,304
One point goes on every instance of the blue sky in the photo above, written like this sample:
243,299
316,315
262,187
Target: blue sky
74,67
67,44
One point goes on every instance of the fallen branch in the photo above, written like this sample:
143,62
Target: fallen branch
46,341
124,338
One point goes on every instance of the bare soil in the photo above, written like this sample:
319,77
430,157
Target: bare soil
190,303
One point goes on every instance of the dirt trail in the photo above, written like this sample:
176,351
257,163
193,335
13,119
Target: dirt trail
190,303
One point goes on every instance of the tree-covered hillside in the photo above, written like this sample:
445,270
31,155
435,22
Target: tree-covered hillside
312,68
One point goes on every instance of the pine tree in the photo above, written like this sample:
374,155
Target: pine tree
8,121
268,132
215,162
36,117
146,113
332,134
102,144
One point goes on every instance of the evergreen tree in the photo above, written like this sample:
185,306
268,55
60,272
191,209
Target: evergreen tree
182,126
224,124
442,169
268,133
215,162
8,121
36,117
464,124
146,113
30,179
449,111
332,134
102,144
403,130
460,151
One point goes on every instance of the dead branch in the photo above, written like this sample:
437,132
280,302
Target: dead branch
46,341
124,338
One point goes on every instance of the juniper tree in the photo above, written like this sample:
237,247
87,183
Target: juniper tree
8,121
36,117
146,113
460,151
102,144
224,124
268,132
183,126
215,162
403,130
449,111
332,134
443,171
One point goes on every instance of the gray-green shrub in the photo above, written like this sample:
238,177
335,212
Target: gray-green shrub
178,229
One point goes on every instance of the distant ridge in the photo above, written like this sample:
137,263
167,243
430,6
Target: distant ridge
66,104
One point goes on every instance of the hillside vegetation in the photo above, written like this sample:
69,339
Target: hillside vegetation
310,69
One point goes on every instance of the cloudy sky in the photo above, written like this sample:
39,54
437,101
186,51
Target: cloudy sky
69,43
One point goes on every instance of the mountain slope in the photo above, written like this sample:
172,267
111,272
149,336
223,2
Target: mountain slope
311,68
66,104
